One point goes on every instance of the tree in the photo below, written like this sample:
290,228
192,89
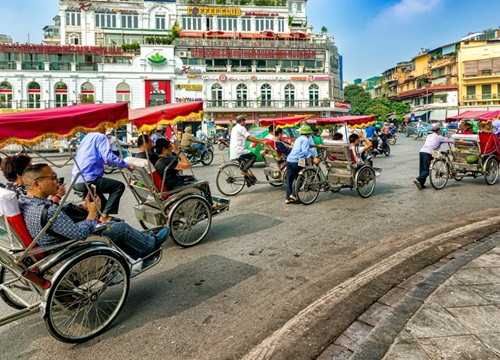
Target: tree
400,109
360,100
380,111
324,30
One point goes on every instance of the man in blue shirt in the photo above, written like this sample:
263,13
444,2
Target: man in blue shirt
302,149
93,154
371,132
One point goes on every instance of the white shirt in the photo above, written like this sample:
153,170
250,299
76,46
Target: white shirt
239,136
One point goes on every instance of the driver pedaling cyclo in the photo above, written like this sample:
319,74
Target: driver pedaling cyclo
237,151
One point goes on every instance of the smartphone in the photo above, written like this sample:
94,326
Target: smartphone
61,180
93,190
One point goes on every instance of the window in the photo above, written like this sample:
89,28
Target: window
130,21
241,95
246,24
74,39
313,95
87,93
61,94
290,6
486,91
289,95
5,95
471,92
105,20
160,22
73,18
217,95
299,7
34,95
191,23
265,23
265,95
281,24
123,93
227,24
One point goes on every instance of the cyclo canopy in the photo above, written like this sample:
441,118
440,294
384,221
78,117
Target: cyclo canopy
355,121
482,116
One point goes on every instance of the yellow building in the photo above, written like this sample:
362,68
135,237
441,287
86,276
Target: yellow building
479,73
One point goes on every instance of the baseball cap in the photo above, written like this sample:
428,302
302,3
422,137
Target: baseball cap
240,118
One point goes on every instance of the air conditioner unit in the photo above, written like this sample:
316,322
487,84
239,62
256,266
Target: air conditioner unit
325,114
183,53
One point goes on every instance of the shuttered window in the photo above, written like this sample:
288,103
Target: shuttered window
496,65
484,65
470,68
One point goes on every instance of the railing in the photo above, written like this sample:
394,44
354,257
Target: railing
86,67
234,2
476,97
255,43
7,65
60,66
268,104
32,65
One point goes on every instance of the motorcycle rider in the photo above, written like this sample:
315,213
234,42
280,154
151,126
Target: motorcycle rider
188,140
384,132
372,135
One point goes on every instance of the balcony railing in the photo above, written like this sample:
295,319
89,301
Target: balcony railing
268,104
255,43
234,2
86,67
60,66
32,65
7,65
479,97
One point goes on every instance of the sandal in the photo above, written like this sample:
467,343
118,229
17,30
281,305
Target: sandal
289,201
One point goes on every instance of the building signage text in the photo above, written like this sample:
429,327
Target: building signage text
260,14
225,77
189,87
342,104
319,78
252,54
214,11
58,49
187,99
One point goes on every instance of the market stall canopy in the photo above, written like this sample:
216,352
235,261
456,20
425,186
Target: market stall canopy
481,115
29,128
283,122
355,121
148,118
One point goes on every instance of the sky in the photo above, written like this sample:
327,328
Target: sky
372,35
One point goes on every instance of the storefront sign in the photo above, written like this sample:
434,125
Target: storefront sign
298,78
342,104
224,77
189,87
157,59
260,14
58,49
186,70
186,99
252,53
319,78
213,11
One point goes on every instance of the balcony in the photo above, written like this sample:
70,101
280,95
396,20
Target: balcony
60,66
32,65
247,43
221,105
86,67
234,2
7,65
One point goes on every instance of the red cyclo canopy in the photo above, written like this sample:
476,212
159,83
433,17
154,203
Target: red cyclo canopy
481,115
285,121
357,121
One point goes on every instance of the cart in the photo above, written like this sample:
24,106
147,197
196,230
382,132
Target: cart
339,170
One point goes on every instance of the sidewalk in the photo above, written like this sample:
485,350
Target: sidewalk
450,310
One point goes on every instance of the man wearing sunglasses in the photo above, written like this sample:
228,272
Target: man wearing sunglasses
41,181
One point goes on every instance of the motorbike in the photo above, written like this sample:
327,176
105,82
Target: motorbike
375,150
223,143
392,138
421,134
109,169
206,157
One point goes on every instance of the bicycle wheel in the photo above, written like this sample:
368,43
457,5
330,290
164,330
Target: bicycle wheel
190,220
21,288
229,179
221,146
490,170
365,181
87,296
109,169
439,173
307,186
207,158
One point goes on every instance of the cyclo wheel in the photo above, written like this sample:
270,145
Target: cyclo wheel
22,288
108,169
207,157
491,170
87,296
190,220
365,180
307,186
439,173
229,179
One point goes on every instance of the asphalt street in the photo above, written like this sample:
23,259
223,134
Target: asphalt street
263,263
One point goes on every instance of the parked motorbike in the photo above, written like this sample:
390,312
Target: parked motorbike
376,150
206,157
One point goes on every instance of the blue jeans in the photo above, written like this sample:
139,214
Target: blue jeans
425,164
292,173
131,241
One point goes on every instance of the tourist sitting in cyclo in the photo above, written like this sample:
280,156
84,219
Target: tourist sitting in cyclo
488,141
358,153
13,168
41,182
145,144
282,147
171,162
189,141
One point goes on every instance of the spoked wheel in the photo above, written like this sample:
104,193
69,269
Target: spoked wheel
308,186
190,220
387,151
321,153
207,157
274,182
365,181
439,174
491,171
87,296
20,287
108,169
221,146
229,179
391,141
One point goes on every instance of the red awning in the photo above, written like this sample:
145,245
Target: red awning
299,35
285,121
268,34
481,115
29,128
191,34
357,121
250,36
148,118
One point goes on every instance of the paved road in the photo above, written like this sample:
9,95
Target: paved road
264,262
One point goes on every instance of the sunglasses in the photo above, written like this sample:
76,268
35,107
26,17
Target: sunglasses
53,177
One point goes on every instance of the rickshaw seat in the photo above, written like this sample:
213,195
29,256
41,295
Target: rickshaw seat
153,175
9,207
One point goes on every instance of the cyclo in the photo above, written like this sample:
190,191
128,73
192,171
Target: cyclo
341,170
229,179
466,158
70,282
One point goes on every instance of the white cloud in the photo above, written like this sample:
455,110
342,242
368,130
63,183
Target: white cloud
407,10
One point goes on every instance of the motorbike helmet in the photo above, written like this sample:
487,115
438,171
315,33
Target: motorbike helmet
110,132
189,130
305,130
436,128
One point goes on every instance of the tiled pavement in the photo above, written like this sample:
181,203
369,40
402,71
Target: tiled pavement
449,310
